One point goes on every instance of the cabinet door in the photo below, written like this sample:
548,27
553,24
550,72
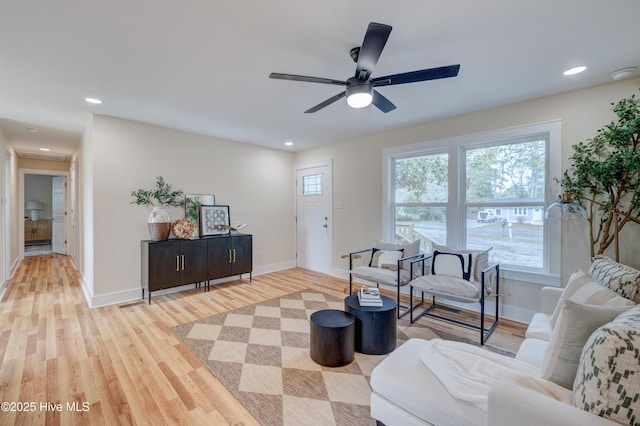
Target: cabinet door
193,261
242,254
164,265
43,230
219,257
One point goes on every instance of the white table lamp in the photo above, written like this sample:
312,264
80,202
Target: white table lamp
34,207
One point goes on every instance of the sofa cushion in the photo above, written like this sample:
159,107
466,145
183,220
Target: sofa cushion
480,258
574,326
582,289
408,249
622,279
607,382
402,379
577,279
532,351
540,327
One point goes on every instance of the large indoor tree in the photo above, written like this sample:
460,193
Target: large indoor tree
604,176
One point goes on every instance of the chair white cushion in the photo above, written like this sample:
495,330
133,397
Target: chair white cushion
480,258
380,275
607,381
446,286
452,264
409,249
540,327
575,324
387,259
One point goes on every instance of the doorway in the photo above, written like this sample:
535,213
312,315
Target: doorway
43,206
314,216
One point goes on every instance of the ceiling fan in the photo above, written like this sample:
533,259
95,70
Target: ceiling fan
359,89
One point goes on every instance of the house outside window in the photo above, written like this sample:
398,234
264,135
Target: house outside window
480,191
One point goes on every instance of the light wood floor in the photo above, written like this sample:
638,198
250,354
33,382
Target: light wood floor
123,364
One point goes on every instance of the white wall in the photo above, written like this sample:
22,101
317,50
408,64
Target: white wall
38,188
119,156
357,180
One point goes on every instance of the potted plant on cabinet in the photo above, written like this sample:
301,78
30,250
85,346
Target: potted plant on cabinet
159,197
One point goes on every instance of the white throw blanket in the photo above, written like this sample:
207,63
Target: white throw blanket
468,371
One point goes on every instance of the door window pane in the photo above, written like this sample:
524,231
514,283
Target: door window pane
312,185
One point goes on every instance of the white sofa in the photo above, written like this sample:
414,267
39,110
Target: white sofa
415,386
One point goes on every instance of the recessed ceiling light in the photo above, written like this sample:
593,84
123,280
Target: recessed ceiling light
45,149
33,130
288,143
93,100
574,70
623,73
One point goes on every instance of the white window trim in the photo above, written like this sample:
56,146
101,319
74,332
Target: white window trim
452,145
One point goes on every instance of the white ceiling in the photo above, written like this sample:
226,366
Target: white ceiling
203,66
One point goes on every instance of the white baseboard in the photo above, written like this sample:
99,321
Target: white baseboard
135,294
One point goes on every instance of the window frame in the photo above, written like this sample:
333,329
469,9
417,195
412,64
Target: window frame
456,206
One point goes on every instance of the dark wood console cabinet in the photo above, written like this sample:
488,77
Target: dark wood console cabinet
172,263
229,255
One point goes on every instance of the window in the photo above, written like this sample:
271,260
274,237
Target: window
312,185
479,191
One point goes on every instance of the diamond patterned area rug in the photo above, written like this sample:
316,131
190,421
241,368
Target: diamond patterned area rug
261,354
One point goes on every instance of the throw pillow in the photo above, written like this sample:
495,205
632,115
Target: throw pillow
385,257
607,381
575,324
408,250
452,264
622,279
576,280
481,259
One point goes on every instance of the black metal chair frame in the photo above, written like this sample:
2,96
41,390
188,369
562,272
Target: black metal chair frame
414,259
484,332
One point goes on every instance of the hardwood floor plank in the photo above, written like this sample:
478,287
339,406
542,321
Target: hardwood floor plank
124,361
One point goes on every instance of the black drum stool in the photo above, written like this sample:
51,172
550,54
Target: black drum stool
332,337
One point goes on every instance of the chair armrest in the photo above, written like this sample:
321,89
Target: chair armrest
511,404
356,252
549,297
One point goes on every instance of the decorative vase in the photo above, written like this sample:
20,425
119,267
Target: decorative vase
159,224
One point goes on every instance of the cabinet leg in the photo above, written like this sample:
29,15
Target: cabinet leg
250,276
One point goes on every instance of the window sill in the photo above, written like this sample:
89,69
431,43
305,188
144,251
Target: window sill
531,277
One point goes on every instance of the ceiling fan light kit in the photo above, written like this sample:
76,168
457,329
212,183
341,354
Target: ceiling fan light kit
359,93
359,90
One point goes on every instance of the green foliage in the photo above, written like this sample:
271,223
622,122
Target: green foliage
604,175
161,195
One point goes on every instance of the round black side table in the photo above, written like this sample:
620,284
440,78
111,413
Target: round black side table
332,337
375,325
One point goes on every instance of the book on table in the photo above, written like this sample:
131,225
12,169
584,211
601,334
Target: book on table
369,297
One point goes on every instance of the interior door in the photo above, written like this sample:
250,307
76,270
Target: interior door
314,216
58,211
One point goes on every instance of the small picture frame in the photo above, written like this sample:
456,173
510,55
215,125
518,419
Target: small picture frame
214,220
192,209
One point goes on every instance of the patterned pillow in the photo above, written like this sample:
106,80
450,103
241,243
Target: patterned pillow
387,259
622,279
607,381
452,264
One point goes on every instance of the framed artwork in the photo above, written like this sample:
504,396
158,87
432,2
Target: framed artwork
192,203
214,220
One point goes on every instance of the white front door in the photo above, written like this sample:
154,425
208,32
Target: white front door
58,210
314,216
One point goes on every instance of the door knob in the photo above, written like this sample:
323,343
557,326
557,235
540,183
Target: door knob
325,226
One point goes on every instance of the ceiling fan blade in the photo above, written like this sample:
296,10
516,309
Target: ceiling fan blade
372,45
415,76
325,103
383,104
305,78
